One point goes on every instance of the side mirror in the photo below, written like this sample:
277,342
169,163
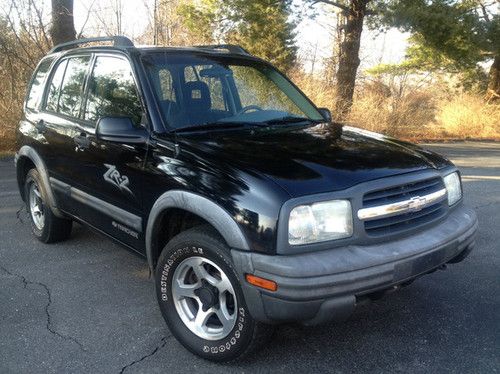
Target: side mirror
327,115
120,130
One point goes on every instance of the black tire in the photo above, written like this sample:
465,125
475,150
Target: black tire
246,336
54,229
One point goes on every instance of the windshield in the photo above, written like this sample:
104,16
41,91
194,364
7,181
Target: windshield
196,90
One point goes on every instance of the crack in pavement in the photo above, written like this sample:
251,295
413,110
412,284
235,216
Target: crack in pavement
47,306
152,353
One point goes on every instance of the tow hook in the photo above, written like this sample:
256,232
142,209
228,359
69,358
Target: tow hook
377,295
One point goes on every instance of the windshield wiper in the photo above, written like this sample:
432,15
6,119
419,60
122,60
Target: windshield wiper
216,126
289,119
220,125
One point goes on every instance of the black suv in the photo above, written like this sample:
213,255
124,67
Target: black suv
251,206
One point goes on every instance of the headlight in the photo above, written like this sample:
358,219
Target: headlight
453,187
320,222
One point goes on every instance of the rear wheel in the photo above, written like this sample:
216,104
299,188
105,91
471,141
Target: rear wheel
201,299
44,224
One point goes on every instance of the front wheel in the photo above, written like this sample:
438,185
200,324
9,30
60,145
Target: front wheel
201,299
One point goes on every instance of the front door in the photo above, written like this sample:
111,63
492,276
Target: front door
111,188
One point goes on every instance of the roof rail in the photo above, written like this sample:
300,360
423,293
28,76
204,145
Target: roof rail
231,48
118,41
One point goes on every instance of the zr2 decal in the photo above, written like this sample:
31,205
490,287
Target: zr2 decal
114,177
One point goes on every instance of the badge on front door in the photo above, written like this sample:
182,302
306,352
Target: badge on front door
114,177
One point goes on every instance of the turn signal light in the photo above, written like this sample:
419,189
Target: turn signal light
261,282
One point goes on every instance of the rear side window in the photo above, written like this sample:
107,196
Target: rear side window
72,85
65,89
36,88
112,91
55,87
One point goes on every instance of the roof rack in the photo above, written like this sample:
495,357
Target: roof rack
118,41
231,48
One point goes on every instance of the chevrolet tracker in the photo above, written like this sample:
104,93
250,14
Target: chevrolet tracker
252,207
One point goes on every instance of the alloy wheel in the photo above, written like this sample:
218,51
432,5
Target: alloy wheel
204,298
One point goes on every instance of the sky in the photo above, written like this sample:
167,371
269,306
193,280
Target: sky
313,37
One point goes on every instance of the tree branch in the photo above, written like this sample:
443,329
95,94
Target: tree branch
332,3
41,25
485,12
89,10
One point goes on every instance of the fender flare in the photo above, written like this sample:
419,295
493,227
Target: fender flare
202,207
32,154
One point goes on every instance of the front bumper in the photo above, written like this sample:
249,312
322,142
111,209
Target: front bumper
322,286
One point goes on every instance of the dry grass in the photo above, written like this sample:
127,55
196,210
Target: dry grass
414,113
404,116
7,136
320,92
468,116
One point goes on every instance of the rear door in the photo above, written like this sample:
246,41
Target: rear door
61,124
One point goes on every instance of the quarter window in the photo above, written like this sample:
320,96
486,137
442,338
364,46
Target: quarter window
112,91
36,88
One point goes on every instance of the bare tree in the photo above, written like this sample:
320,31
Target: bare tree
63,25
23,41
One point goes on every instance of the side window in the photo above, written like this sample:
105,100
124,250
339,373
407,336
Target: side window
112,91
55,87
36,88
71,89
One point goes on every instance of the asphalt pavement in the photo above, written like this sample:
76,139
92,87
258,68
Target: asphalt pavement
87,305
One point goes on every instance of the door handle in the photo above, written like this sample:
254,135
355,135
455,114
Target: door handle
40,126
81,141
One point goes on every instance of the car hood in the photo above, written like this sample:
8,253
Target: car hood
309,160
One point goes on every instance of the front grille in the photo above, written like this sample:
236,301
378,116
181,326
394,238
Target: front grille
408,220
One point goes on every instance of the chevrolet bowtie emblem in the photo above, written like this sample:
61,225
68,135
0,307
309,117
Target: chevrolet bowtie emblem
416,203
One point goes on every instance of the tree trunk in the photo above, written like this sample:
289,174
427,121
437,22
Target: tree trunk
349,57
493,93
63,26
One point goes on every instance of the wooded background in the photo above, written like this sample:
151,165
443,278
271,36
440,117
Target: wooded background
447,86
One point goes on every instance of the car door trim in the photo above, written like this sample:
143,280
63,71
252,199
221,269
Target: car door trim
131,220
